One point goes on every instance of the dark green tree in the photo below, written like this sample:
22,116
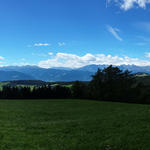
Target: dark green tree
111,83
79,90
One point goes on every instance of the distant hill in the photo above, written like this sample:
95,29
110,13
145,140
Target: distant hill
59,73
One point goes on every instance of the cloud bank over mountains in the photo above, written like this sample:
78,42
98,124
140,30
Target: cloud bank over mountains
75,61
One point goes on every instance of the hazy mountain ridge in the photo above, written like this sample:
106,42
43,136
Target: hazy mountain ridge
14,75
132,68
59,74
51,74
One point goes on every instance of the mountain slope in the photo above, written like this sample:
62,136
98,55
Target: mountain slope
14,75
51,75
60,74
132,68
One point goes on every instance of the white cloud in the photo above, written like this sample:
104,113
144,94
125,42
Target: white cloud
41,44
114,32
2,58
39,54
147,54
75,61
61,43
128,4
1,61
50,53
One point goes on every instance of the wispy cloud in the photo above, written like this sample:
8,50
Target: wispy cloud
39,54
128,4
147,54
61,43
114,32
144,26
21,64
1,61
75,61
41,44
2,58
142,40
50,53
140,43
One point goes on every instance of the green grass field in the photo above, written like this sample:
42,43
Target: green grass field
73,125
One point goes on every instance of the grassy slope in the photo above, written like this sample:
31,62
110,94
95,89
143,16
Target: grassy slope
73,125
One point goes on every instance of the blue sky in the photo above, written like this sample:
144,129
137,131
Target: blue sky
74,33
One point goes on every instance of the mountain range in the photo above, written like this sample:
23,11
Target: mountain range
85,73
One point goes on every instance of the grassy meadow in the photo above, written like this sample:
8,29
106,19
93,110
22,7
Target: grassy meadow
73,125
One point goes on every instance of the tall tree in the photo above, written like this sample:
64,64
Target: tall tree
111,83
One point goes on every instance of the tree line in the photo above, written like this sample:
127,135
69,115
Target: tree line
109,84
